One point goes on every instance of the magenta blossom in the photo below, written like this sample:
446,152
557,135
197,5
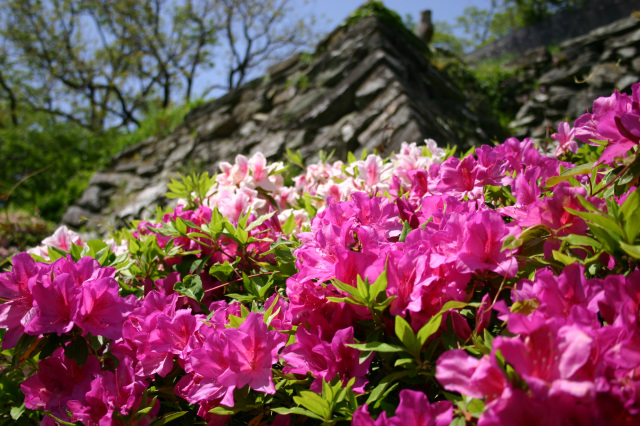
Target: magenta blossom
414,410
565,138
252,350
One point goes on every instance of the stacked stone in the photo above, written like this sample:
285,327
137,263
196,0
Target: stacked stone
579,70
368,86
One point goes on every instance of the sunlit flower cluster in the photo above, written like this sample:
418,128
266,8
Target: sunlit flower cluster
419,289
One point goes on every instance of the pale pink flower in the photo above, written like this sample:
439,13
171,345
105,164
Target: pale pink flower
565,138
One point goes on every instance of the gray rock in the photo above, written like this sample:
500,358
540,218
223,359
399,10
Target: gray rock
524,121
76,216
221,126
560,96
303,103
627,52
185,145
271,145
295,140
126,167
147,170
625,83
284,94
91,199
372,87
248,128
144,201
627,39
135,184
108,180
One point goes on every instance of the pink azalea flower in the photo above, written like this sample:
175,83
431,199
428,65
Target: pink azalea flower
100,310
414,410
252,350
326,360
615,119
53,306
15,291
460,177
565,138
485,233
478,378
59,380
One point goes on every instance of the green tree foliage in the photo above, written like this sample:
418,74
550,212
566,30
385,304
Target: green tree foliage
82,79
46,164
103,63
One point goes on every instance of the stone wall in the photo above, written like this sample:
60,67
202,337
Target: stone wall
369,86
562,26
579,71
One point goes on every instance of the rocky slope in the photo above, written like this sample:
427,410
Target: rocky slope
575,73
368,86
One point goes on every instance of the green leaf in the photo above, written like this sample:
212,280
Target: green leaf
406,228
630,215
598,219
221,271
633,251
476,407
235,321
375,346
146,410
269,314
259,221
563,258
313,402
588,205
458,421
62,422
96,245
363,289
168,417
404,361
24,349
16,412
221,410
434,323
250,285
406,335
379,286
296,410
351,290
568,174
377,392
56,253
429,329
528,236
511,242
180,226
327,391
294,158
581,240
242,297
289,225
190,286
608,239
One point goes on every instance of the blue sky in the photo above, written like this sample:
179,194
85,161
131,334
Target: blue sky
442,10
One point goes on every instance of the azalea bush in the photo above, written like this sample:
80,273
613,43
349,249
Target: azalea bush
423,288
